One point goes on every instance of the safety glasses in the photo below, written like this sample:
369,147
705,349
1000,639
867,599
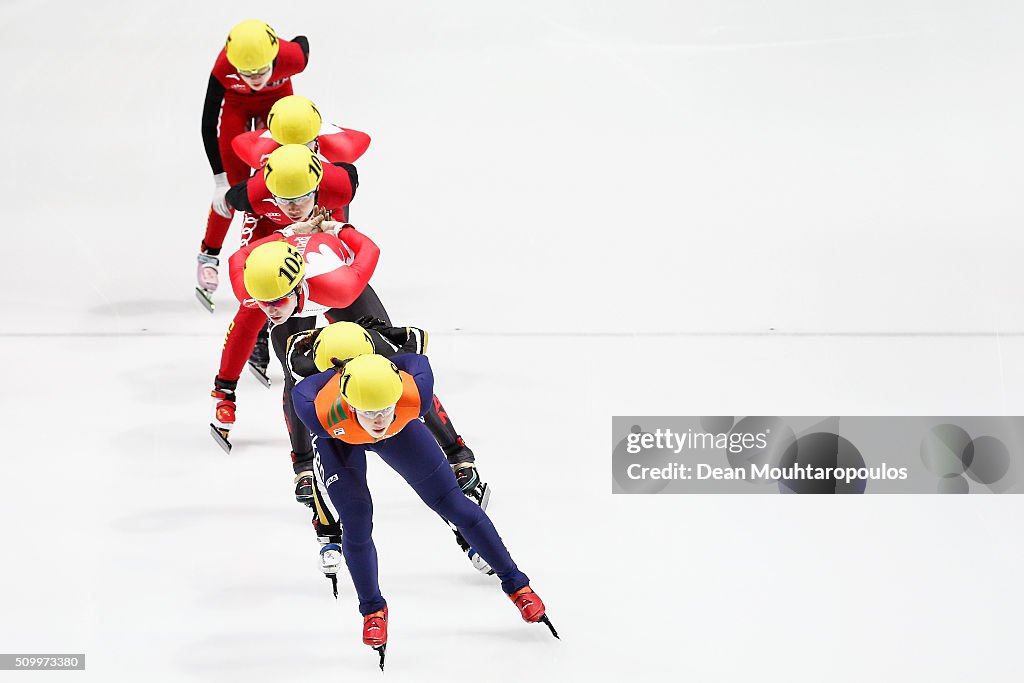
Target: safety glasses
374,414
293,200
276,303
256,73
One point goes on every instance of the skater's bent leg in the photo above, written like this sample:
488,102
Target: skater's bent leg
415,455
232,122
216,230
325,521
478,530
440,425
347,493
239,340
302,447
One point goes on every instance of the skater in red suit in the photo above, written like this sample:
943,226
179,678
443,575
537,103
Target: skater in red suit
293,120
294,181
252,72
299,282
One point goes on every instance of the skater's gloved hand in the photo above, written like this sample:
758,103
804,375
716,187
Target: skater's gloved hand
220,190
311,225
297,351
303,341
370,322
396,335
466,476
333,227
306,227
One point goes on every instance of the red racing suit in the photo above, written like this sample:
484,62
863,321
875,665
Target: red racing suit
333,144
337,270
336,190
231,108
335,287
249,320
334,194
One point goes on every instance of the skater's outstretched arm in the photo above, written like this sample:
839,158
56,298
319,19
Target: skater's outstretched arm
211,115
340,287
419,367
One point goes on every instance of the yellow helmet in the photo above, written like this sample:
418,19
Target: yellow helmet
342,340
294,120
292,171
371,382
251,46
273,270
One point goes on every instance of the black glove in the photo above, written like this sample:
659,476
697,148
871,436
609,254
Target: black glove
396,335
301,342
371,322
298,352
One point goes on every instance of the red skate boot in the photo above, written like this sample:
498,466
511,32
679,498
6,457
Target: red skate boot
375,632
532,608
223,412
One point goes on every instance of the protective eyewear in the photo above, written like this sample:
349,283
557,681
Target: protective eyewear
276,303
255,73
293,200
374,414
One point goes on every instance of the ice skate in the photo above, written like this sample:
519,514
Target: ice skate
471,484
531,607
259,361
330,563
208,279
375,632
223,413
304,488
479,563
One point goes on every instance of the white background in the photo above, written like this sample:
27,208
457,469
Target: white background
663,208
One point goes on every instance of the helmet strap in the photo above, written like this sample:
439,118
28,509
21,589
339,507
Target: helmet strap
302,291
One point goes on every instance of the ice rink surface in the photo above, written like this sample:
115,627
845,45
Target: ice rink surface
597,209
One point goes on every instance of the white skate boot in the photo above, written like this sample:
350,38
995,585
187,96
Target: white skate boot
330,563
208,279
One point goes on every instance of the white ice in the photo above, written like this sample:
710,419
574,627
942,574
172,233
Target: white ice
597,208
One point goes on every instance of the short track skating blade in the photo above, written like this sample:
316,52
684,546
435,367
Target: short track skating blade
221,437
260,374
206,299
